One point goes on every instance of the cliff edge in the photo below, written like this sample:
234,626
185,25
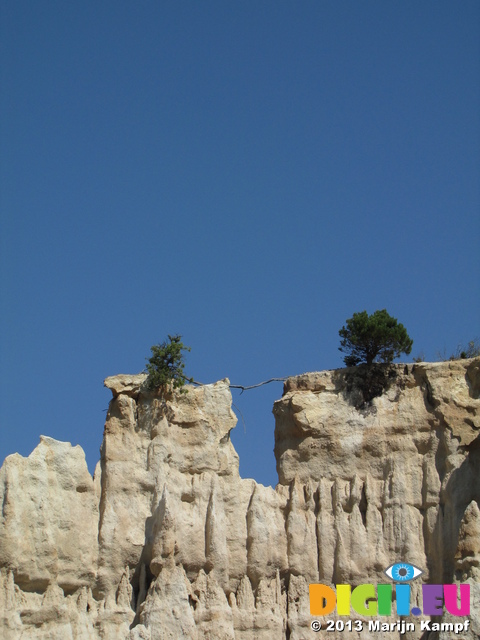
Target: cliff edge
167,541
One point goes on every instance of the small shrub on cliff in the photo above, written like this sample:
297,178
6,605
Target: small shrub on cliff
166,365
471,350
420,358
373,338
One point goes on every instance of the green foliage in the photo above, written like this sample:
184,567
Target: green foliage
373,338
420,357
366,382
165,367
471,350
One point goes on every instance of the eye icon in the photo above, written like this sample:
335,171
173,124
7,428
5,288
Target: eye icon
403,572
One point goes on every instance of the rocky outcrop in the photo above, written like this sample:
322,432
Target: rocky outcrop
167,541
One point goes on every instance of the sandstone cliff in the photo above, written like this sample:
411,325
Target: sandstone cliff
167,541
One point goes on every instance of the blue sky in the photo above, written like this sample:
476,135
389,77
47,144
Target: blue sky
245,174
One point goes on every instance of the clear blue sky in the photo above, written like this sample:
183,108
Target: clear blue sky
245,174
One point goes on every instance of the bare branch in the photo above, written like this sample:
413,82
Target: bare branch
254,386
239,386
241,415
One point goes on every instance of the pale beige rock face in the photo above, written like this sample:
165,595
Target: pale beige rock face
167,541
48,530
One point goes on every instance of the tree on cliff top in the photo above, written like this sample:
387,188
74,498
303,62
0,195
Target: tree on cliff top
166,365
373,338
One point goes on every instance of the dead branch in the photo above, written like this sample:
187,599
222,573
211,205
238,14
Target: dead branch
240,386
254,386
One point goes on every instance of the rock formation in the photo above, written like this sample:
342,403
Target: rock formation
168,542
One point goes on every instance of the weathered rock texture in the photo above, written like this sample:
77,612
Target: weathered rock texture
167,541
